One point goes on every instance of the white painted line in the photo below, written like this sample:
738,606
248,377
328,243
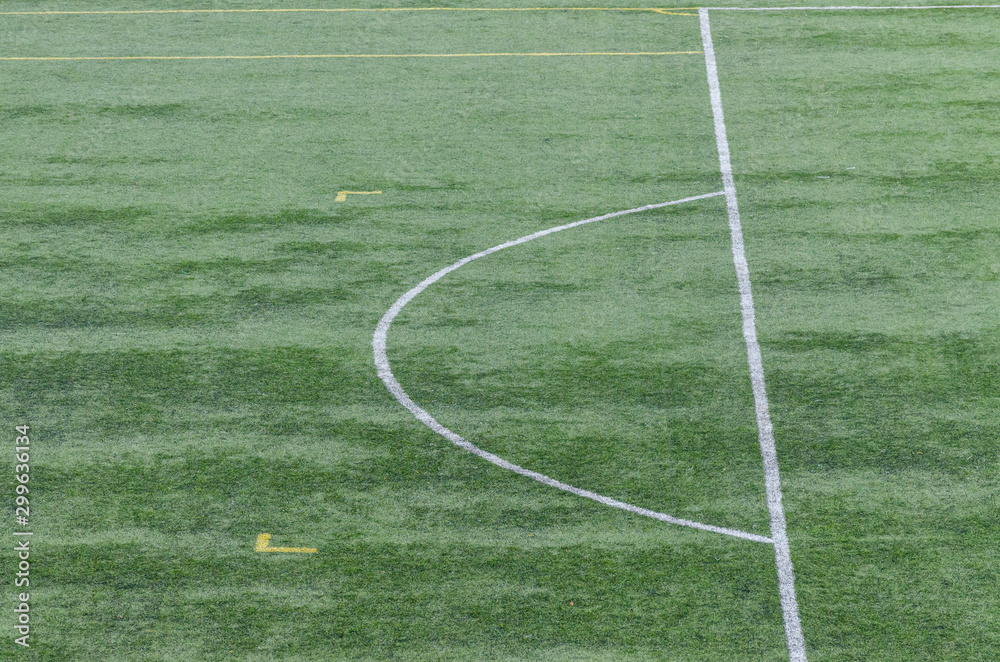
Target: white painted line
842,8
772,479
385,373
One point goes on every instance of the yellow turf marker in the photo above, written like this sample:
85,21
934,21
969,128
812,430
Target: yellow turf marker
264,545
342,195
351,55
661,10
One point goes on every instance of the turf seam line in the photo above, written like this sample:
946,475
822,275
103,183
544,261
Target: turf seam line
333,56
658,10
379,347
769,456
847,7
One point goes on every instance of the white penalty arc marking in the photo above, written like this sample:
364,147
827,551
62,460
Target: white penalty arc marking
385,373
769,456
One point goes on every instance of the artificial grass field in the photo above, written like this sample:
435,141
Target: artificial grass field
186,318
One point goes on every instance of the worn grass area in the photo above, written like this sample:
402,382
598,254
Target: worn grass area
186,317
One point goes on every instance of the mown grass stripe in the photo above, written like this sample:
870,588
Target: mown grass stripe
340,10
854,7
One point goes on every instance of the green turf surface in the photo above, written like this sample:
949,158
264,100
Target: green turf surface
877,293
186,319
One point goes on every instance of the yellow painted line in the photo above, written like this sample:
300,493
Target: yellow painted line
342,195
264,545
354,55
341,9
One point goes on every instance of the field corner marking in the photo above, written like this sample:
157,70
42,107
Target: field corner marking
342,195
264,545
769,456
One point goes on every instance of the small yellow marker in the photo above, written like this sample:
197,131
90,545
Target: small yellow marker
264,545
342,195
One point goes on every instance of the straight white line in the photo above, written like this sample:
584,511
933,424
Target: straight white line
841,8
772,479
379,342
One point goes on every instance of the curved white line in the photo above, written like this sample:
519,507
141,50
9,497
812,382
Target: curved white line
385,373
